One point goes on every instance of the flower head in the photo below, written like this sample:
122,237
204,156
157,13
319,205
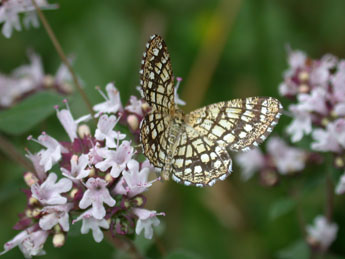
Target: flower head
147,219
105,130
112,102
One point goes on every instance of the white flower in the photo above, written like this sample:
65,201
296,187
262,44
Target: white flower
78,165
300,125
338,82
52,154
89,222
314,102
134,181
50,191
322,233
320,73
95,195
135,106
105,131
35,159
29,241
117,159
112,102
9,14
250,162
70,125
286,159
54,215
147,219
340,189
331,139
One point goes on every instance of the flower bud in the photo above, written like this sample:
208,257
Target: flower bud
92,172
84,130
133,122
36,212
48,81
73,192
33,201
30,178
145,107
59,240
108,178
303,76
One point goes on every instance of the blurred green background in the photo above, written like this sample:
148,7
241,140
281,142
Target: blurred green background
223,50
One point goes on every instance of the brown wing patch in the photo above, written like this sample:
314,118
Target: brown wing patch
240,124
198,160
156,76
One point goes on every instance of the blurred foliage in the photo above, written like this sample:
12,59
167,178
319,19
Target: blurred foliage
107,39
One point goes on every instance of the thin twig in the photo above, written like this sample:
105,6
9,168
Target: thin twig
11,151
62,56
124,244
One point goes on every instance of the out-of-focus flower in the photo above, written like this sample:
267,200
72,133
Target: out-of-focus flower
286,159
340,189
300,125
28,79
322,233
96,195
147,219
50,191
93,224
10,10
250,162
135,106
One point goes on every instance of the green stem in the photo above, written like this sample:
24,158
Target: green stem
11,151
62,56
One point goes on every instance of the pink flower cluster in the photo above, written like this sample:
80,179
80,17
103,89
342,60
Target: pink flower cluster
279,159
101,182
318,86
28,79
10,10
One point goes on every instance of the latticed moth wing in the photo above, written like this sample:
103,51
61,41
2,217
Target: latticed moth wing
153,136
198,160
157,79
240,124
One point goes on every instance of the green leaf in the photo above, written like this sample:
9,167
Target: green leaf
182,254
298,249
281,207
26,114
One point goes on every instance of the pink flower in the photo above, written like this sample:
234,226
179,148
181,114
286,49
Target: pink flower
105,131
116,160
78,166
300,125
340,189
135,106
147,219
331,139
112,102
338,82
9,14
53,215
95,195
320,74
70,125
52,153
286,159
29,241
134,181
50,191
93,224
35,159
314,102
250,162
322,233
